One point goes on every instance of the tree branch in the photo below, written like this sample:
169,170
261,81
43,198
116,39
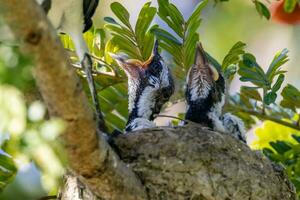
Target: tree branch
263,116
88,153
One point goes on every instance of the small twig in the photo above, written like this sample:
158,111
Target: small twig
168,116
101,61
270,118
48,197
263,102
95,72
117,79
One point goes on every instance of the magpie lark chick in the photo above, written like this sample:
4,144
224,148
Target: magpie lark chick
150,85
205,96
74,17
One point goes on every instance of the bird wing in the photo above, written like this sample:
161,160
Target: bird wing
89,8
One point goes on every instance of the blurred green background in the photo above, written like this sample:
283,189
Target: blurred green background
31,139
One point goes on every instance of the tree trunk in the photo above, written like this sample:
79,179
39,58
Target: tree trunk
192,162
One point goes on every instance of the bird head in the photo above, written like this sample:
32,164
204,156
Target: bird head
150,83
203,80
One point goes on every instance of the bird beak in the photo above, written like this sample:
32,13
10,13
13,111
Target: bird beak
155,58
130,66
201,61
155,54
120,57
155,49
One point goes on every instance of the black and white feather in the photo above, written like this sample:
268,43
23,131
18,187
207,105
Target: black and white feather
150,85
205,96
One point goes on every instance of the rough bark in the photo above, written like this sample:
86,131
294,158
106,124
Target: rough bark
194,163
89,155
74,189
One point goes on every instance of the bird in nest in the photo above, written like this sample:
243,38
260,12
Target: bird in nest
74,17
150,85
205,97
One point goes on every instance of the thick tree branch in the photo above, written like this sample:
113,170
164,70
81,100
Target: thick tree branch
89,155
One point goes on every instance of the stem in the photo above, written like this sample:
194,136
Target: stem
95,72
98,60
178,118
298,121
263,102
104,62
263,116
172,117
183,46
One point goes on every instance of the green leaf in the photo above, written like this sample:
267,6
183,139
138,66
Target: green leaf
269,153
126,46
213,61
278,83
166,36
297,138
148,45
120,31
230,71
262,9
249,75
176,16
193,27
233,56
279,59
121,13
145,18
280,146
270,98
291,97
7,163
190,49
245,101
136,43
111,20
7,170
175,52
250,62
251,92
290,5
166,13
196,13
250,71
99,46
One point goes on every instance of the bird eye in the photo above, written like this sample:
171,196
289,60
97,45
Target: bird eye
165,93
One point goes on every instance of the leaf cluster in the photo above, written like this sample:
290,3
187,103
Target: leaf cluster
181,45
136,42
270,81
259,99
288,155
